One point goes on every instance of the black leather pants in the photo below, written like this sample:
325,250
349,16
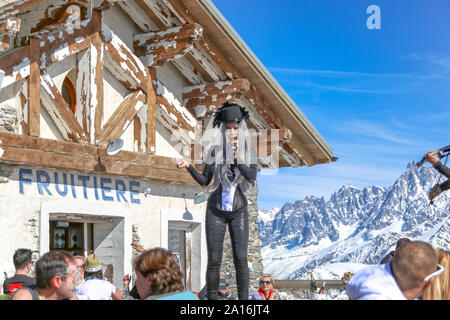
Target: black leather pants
216,221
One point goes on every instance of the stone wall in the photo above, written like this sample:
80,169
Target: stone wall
8,118
254,249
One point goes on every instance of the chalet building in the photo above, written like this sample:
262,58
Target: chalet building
76,74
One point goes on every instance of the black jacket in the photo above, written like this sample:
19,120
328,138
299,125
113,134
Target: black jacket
215,199
444,171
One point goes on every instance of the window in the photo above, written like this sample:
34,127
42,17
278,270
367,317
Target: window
69,236
69,94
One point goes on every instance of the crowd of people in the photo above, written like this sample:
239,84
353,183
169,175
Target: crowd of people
413,271
60,276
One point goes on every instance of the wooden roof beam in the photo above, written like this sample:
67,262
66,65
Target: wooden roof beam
294,149
162,12
16,65
269,146
203,100
208,45
204,107
18,6
8,29
156,47
221,87
122,62
171,111
123,116
206,65
138,15
66,16
59,111
88,158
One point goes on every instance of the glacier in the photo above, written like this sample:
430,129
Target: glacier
355,228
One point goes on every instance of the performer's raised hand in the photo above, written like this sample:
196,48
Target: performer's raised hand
431,159
181,163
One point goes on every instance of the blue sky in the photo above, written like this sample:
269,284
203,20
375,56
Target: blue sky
380,98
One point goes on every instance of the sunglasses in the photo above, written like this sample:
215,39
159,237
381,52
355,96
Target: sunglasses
435,274
265,282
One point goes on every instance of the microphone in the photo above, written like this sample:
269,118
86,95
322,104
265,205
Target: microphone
234,148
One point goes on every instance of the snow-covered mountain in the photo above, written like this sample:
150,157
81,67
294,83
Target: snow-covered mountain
354,228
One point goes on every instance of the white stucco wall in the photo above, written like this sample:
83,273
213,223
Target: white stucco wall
24,216
24,211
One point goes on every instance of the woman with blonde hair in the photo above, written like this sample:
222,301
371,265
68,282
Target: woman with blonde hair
440,286
266,290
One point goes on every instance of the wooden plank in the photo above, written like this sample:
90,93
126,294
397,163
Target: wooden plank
60,16
204,107
34,104
82,157
96,81
156,47
122,116
139,133
155,39
54,48
150,142
10,26
221,87
203,100
207,43
138,15
179,116
160,13
293,149
122,62
59,111
207,63
16,65
83,84
188,71
64,43
306,284
270,142
23,97
8,30
18,6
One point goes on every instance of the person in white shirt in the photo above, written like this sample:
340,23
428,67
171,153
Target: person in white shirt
95,287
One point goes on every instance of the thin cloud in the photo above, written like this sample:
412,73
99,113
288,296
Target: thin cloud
353,90
356,74
373,130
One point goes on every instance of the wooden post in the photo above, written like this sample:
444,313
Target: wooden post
151,112
96,76
34,104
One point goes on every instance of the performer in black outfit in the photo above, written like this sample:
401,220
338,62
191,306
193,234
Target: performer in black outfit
232,162
442,169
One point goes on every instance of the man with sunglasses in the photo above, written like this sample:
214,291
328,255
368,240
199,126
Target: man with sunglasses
55,278
23,263
406,277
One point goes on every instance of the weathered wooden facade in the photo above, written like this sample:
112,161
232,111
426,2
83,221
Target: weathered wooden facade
75,74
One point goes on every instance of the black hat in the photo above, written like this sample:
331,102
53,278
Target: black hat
229,112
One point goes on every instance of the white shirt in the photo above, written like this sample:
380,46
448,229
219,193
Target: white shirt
374,283
228,191
96,289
